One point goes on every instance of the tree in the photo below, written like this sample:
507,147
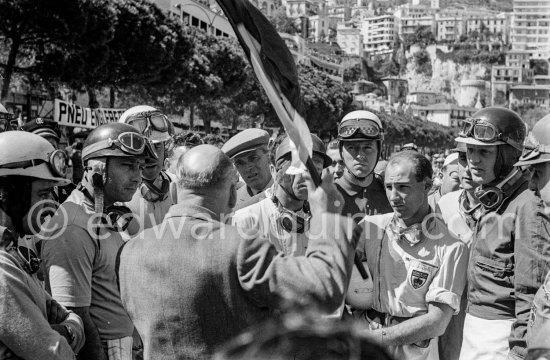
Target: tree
352,74
423,62
215,68
282,22
422,36
28,27
144,45
325,100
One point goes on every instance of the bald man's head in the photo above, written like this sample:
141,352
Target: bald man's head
204,167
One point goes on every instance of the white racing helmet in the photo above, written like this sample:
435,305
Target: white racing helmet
27,154
151,122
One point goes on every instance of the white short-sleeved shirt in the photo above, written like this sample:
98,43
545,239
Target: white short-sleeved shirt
449,208
408,277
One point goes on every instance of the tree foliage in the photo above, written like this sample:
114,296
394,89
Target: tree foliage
282,22
422,36
468,56
142,45
403,128
325,100
29,27
422,62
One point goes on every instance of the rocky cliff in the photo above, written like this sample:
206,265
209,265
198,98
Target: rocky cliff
448,78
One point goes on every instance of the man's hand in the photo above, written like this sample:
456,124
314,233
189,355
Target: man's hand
326,198
56,312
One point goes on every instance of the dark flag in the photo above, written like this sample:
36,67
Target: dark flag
275,68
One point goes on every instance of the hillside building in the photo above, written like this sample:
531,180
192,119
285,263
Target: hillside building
378,34
531,27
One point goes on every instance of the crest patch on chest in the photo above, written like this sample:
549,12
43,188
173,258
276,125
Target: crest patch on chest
418,278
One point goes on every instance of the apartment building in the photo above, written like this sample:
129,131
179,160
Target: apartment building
449,28
378,33
198,14
531,27
349,39
496,25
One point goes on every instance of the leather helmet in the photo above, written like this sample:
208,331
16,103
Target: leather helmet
116,140
495,126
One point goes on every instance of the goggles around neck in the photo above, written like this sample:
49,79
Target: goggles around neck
484,131
533,149
57,163
492,197
365,129
147,121
128,142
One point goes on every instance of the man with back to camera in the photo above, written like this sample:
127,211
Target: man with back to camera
84,237
510,247
283,217
417,268
250,154
242,281
536,157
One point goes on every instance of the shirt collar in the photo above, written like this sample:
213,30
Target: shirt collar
194,211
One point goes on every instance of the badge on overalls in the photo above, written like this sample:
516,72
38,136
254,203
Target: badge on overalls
418,279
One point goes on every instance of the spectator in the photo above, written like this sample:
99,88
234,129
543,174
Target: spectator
337,166
250,154
449,180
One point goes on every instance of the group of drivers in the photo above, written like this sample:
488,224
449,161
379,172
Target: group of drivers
482,258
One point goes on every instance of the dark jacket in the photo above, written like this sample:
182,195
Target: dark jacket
361,201
192,283
510,255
